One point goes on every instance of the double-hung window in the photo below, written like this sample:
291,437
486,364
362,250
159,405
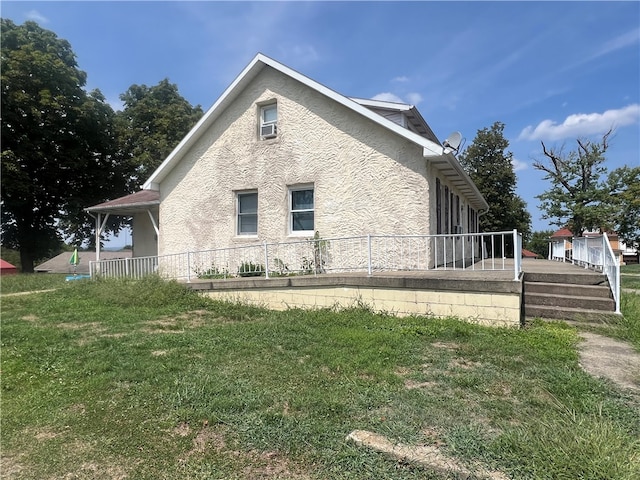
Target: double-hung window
269,121
301,210
247,213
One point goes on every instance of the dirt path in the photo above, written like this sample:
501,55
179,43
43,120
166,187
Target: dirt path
612,359
28,293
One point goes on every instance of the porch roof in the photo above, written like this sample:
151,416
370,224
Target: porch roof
137,202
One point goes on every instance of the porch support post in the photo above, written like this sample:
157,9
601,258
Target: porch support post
99,229
154,223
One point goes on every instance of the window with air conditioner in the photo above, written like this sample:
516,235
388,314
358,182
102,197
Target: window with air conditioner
269,121
301,210
247,208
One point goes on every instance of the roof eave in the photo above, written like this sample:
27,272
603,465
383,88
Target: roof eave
450,167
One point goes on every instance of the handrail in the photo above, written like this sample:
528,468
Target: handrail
595,252
611,267
370,253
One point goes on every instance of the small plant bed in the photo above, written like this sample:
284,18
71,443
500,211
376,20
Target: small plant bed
147,379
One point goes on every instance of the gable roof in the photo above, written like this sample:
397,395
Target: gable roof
432,150
563,232
4,265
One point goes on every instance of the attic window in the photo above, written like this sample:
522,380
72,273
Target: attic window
269,121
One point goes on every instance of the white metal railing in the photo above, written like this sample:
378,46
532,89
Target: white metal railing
370,253
560,250
595,252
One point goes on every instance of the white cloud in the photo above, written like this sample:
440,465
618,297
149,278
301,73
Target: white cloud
36,16
400,79
414,98
625,40
518,165
388,97
582,124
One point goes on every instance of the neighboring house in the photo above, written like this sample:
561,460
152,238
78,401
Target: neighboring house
561,246
279,157
529,254
6,268
60,263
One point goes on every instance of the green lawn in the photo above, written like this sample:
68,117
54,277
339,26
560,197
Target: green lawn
630,276
147,380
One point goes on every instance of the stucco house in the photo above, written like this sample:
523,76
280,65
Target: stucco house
280,156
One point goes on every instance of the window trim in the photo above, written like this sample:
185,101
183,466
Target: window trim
263,108
297,188
239,213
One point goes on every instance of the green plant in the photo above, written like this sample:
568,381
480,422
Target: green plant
280,269
213,272
316,263
250,269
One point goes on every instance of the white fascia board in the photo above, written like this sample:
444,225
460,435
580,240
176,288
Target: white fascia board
250,71
362,110
402,107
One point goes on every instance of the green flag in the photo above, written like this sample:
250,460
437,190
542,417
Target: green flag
74,260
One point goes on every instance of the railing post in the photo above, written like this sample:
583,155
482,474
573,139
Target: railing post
188,267
369,266
517,254
266,260
126,266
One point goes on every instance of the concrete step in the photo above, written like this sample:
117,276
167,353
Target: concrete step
569,301
586,278
579,315
602,291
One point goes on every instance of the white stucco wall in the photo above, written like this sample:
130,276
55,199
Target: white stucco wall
366,179
144,236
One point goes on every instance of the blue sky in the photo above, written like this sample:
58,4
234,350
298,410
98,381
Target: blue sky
550,71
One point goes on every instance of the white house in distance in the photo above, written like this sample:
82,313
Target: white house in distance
279,157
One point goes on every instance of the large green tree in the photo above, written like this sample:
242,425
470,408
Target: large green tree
578,194
57,143
152,123
539,242
623,204
490,166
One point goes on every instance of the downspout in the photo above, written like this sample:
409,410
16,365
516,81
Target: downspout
482,212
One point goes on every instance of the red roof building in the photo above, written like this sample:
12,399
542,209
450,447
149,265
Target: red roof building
6,268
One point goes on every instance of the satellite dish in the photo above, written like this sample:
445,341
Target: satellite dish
452,142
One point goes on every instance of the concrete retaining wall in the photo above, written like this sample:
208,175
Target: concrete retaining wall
488,302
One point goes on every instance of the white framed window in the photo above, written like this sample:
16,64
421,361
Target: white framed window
301,210
269,121
247,208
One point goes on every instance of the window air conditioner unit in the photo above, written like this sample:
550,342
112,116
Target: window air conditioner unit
269,130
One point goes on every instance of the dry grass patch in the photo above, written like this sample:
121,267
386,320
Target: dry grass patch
446,345
428,456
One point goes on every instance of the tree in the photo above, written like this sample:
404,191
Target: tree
57,143
154,120
623,204
539,242
578,195
490,167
